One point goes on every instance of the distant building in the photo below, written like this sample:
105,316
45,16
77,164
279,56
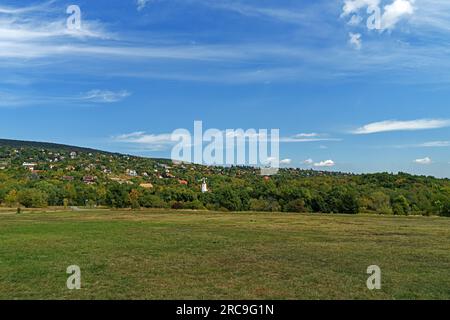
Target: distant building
29,165
3,165
204,186
89,179
132,173
183,182
73,155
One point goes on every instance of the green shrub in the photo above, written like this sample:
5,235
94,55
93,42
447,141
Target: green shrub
33,198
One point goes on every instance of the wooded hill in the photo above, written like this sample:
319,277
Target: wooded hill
35,174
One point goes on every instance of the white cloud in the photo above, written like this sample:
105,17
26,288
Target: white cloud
105,96
435,144
392,13
10,10
326,163
141,4
355,40
308,161
150,142
286,161
38,23
143,138
307,135
355,20
353,6
394,125
424,161
278,14
429,144
396,11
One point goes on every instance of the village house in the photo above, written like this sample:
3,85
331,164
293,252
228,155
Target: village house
29,165
121,181
131,173
89,179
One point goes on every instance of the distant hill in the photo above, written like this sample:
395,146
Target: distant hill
41,174
47,145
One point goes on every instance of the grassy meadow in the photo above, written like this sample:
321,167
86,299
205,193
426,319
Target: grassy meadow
205,255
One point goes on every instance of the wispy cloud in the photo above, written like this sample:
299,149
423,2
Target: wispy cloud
429,144
26,38
394,125
141,4
145,141
274,13
14,10
41,25
163,141
355,40
388,16
424,161
308,137
326,163
105,96
435,144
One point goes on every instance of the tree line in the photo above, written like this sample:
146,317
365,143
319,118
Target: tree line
59,180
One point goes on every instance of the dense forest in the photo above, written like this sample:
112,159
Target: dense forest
36,175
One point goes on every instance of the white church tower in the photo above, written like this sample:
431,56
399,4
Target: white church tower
204,186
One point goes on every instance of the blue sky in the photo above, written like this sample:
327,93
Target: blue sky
347,97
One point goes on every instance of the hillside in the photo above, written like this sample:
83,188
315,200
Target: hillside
35,174
45,145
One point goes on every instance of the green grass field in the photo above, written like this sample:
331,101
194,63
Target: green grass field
186,255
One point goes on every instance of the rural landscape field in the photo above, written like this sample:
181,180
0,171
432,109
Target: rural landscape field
246,151
166,254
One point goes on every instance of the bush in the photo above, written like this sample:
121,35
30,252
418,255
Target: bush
381,203
117,196
148,200
264,205
295,206
12,198
177,205
194,205
446,210
33,198
229,199
400,206
349,203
